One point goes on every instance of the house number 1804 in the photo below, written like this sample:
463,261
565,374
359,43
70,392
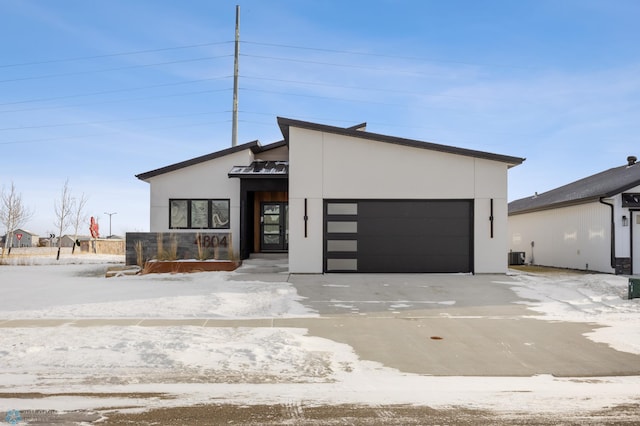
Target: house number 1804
211,241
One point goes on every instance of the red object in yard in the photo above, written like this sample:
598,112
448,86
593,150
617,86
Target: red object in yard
94,229
19,236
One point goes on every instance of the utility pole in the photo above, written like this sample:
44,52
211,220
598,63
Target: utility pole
234,129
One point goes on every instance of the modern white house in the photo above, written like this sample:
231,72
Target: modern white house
344,200
591,224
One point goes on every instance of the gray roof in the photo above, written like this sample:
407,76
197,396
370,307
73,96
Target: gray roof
254,146
601,185
24,231
358,132
354,131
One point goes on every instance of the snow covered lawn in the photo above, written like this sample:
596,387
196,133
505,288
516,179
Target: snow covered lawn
196,363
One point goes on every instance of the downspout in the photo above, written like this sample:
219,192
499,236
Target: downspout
631,237
613,235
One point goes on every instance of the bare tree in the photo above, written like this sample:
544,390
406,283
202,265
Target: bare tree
13,214
79,217
64,210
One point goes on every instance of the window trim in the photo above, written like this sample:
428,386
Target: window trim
211,224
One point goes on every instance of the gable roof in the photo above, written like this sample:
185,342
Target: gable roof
24,231
601,185
359,132
254,146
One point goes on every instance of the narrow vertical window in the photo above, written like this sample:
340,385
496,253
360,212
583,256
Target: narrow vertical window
199,214
220,214
178,212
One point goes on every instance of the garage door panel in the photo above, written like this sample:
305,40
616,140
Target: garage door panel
404,235
432,245
415,226
412,264
414,208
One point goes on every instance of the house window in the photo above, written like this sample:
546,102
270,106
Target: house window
198,214
630,200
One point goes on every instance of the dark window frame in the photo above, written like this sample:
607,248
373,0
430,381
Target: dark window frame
631,199
211,223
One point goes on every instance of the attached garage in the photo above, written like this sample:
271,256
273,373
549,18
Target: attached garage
366,202
398,236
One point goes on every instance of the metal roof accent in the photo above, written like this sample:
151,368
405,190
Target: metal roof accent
358,132
261,169
601,185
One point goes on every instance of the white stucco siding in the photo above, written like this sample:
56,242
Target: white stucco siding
276,154
490,252
358,168
207,180
577,237
305,182
328,166
490,183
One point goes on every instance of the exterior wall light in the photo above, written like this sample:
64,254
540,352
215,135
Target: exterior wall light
625,220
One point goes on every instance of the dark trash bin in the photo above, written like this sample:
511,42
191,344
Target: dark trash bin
634,288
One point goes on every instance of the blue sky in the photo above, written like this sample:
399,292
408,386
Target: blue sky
98,91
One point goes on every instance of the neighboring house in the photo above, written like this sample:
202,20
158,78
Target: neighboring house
591,224
69,240
344,200
23,238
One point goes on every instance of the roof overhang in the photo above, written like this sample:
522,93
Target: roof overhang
356,131
181,165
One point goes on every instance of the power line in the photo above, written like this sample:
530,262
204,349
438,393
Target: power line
321,97
92,123
106,92
117,100
275,58
110,55
337,86
368,89
206,123
206,58
381,55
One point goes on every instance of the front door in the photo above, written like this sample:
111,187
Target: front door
274,229
635,244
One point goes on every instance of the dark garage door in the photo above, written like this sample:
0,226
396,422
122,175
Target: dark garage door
398,236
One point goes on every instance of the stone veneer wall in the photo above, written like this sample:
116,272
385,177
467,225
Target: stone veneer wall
178,246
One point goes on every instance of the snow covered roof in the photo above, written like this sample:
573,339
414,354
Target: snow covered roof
604,184
359,131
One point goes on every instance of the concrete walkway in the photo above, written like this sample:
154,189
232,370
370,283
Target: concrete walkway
458,325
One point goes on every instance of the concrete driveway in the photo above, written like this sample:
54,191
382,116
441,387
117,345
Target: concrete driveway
455,325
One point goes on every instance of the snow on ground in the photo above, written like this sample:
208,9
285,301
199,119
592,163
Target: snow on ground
590,298
256,365
82,291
